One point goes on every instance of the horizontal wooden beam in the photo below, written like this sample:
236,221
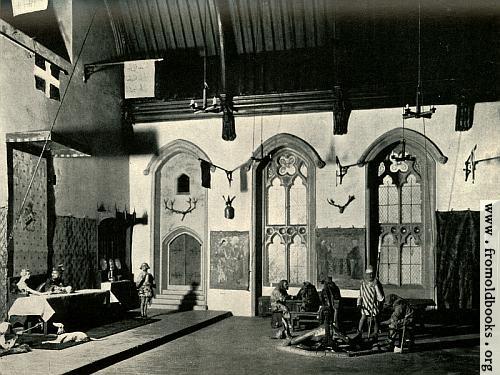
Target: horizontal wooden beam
394,96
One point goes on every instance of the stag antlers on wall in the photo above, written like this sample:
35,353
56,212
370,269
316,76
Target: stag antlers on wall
342,208
169,205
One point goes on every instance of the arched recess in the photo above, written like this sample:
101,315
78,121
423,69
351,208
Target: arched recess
285,162
157,162
394,136
400,205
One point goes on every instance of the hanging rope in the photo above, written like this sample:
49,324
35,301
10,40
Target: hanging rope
46,141
455,169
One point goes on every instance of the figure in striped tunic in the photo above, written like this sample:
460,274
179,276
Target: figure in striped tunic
371,297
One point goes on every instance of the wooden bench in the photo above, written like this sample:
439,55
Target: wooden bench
297,316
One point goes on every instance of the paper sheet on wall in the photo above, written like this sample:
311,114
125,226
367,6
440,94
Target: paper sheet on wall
28,6
139,78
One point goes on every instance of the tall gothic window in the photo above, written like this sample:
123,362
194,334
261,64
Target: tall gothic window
286,210
400,212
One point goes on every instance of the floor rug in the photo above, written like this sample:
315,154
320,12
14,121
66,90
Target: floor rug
35,340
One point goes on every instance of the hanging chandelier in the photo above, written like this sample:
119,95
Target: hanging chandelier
418,113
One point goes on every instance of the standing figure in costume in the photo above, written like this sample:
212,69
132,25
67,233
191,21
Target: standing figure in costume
371,297
278,299
145,286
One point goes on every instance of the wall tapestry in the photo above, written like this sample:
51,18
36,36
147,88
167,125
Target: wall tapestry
457,259
341,254
30,233
3,262
229,260
75,246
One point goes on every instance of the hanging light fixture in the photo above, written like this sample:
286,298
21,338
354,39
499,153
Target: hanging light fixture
205,108
418,113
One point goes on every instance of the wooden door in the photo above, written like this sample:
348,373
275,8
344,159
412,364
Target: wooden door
184,260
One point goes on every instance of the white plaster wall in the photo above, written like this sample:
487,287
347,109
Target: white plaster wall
316,129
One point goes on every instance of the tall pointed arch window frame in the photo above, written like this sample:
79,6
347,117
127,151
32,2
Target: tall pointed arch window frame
428,154
313,161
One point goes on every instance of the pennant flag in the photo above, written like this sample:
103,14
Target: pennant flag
47,77
28,6
139,78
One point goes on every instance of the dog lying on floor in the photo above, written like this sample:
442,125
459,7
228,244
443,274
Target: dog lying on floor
5,330
63,336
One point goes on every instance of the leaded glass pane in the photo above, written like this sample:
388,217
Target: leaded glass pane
382,195
416,256
411,259
392,195
382,213
392,214
298,202
406,213
393,254
406,274
416,274
406,256
384,273
416,216
276,209
393,274
297,261
384,258
388,240
276,261
415,195
406,194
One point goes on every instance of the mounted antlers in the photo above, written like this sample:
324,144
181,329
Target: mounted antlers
342,208
191,202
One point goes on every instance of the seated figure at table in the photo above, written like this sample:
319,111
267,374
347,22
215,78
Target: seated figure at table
23,286
55,283
309,297
280,311
118,269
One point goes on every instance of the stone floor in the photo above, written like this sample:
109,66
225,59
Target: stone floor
210,342
243,346
91,356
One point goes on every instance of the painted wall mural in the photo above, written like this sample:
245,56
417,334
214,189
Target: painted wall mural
341,254
229,260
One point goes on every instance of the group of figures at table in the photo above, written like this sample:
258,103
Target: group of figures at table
53,285
327,304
